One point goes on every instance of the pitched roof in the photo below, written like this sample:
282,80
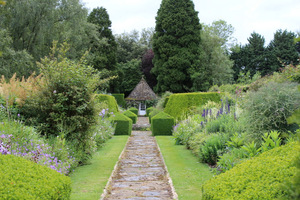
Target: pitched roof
142,91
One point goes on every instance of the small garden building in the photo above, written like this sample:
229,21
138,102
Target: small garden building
140,94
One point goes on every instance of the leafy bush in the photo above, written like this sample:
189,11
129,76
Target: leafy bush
179,104
64,104
228,160
23,179
258,178
134,110
131,115
269,107
162,124
110,101
123,124
162,102
212,148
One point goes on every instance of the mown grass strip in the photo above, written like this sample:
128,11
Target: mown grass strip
186,172
89,181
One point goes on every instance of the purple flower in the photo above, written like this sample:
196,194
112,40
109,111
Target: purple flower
54,92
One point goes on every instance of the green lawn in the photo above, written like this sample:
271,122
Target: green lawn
89,181
186,172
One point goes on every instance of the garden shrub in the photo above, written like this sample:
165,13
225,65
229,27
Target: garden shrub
23,179
269,107
110,101
131,115
120,99
162,102
179,104
134,110
212,148
154,112
261,177
162,124
123,124
148,110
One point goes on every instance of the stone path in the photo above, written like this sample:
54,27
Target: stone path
140,173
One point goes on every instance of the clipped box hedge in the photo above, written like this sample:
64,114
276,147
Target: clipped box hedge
110,100
24,179
120,99
154,112
123,124
162,124
180,103
134,110
262,177
131,115
148,111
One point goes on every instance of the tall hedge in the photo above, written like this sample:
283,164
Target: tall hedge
110,100
262,177
120,99
24,179
162,124
178,104
123,124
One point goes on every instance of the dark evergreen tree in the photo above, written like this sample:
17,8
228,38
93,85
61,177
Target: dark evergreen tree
176,46
103,52
282,50
147,66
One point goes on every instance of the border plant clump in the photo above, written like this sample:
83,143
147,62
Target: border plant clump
23,179
261,177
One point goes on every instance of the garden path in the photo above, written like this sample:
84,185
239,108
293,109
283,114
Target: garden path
140,173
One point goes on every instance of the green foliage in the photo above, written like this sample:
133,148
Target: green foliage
179,104
270,141
154,112
64,104
23,179
212,148
120,99
162,124
131,115
269,107
162,102
176,45
11,61
148,111
122,123
134,110
236,141
103,54
228,160
251,149
109,100
258,178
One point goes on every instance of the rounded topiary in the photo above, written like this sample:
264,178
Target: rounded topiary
262,177
162,124
24,179
110,100
131,115
134,110
180,103
123,124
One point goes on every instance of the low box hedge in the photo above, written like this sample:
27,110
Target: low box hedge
178,104
134,110
120,99
123,124
24,179
131,115
110,100
262,177
148,111
162,124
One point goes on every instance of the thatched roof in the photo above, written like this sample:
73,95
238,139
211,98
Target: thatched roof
141,92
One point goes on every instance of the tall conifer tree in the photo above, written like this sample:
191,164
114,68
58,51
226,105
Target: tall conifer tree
176,45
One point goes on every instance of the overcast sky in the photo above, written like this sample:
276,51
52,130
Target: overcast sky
246,16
